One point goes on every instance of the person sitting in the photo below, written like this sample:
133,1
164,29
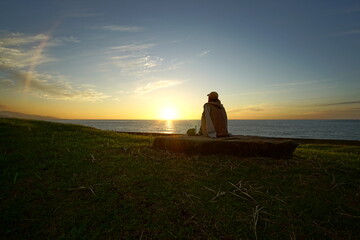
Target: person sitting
214,122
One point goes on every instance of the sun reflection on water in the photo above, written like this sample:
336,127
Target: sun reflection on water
169,126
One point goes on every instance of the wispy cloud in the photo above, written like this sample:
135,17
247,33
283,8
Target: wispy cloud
133,47
354,31
3,107
6,83
123,92
16,39
50,87
62,40
136,65
298,83
121,57
354,9
180,40
83,14
152,86
21,51
340,103
122,28
246,108
20,58
204,53
136,60
339,110
342,113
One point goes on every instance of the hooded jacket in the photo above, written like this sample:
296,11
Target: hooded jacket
214,120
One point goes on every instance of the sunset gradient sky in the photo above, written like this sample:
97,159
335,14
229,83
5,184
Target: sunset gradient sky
281,59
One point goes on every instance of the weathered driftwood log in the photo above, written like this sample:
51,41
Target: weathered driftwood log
242,146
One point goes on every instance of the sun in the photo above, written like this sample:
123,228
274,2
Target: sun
168,113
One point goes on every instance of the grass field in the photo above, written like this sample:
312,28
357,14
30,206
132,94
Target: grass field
73,182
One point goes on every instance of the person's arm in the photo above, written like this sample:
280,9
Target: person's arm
226,118
210,129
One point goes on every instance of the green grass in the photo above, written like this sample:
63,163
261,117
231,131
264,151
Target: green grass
62,181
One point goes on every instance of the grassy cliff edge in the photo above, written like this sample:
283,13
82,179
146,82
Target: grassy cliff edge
69,181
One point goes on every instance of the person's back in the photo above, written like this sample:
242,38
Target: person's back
214,118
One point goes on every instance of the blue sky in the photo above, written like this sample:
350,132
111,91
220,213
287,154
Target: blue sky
139,59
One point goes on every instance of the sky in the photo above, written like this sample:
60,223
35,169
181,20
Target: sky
152,59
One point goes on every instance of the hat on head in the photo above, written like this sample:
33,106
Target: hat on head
213,95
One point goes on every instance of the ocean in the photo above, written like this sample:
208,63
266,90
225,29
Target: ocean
313,129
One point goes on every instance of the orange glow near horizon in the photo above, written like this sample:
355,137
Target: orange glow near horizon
165,110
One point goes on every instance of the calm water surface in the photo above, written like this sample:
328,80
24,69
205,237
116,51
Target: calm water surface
316,129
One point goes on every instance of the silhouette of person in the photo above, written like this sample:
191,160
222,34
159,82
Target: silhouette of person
214,122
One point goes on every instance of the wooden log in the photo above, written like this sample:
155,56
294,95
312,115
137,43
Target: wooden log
242,146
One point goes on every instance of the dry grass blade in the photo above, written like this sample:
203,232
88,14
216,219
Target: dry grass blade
275,197
349,215
88,188
190,196
15,178
292,236
218,194
239,196
243,192
211,190
92,191
255,219
189,219
142,233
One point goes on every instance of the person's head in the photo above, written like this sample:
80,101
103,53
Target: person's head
213,97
